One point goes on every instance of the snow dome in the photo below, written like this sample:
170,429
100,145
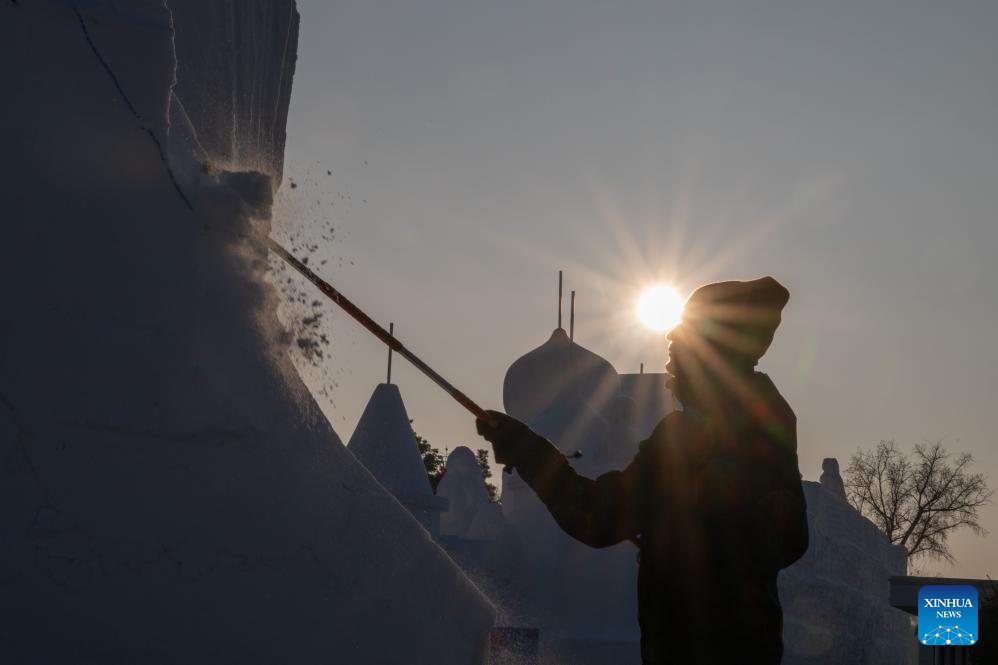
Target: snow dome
557,367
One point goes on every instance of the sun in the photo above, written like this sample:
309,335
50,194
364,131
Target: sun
660,307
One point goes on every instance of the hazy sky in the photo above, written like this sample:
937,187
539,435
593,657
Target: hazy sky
850,150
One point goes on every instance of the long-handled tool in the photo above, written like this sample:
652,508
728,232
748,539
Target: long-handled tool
378,331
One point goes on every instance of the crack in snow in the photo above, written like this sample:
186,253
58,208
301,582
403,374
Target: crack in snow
131,107
220,436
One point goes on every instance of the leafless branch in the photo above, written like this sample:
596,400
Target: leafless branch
917,500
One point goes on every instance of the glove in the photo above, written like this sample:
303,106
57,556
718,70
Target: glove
509,437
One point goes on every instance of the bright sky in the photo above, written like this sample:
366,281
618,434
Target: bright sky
850,150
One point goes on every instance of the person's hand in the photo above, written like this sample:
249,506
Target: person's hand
508,436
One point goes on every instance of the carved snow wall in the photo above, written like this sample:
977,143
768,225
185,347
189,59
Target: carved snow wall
836,598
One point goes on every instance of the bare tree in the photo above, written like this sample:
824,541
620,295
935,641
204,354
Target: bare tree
917,500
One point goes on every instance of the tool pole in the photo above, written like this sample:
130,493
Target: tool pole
379,332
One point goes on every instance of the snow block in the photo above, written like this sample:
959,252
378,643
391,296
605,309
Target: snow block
235,63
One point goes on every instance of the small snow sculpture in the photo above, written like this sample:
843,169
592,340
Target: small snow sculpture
830,478
471,515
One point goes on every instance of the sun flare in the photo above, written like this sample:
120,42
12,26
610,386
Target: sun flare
660,307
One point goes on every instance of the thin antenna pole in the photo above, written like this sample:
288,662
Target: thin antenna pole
642,368
571,319
391,331
559,299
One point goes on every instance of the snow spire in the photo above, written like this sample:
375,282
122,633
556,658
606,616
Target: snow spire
386,445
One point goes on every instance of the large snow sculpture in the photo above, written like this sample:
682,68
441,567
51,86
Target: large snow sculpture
168,490
836,598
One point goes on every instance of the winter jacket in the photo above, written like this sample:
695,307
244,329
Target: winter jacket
715,499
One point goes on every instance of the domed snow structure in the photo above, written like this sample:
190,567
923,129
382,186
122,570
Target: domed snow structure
385,444
169,492
557,368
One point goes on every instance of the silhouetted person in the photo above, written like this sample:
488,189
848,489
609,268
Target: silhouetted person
714,494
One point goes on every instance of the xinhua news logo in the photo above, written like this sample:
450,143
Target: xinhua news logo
947,614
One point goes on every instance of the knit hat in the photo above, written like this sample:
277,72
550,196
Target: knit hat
739,318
